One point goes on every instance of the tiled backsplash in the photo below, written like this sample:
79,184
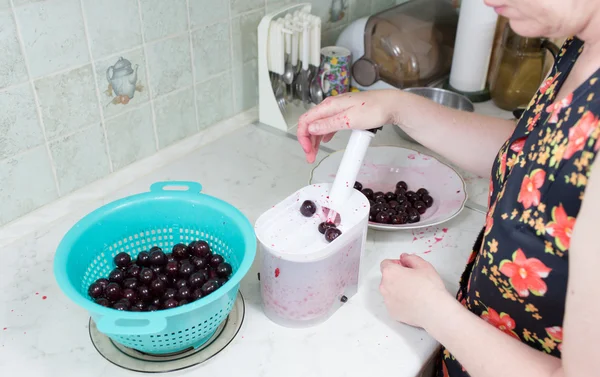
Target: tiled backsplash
89,86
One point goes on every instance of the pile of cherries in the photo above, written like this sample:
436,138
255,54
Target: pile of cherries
399,207
157,280
331,232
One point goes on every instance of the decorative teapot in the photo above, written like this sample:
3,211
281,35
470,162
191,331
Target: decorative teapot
122,77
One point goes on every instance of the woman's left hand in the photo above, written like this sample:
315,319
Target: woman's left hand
411,289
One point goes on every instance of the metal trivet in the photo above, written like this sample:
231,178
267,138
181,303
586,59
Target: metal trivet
137,361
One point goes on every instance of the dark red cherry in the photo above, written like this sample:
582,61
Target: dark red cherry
401,198
146,276
332,233
381,200
391,213
413,216
170,304
130,283
200,249
130,295
181,283
180,251
185,270
224,270
140,305
158,258
122,260
402,184
385,207
393,204
324,226
169,293
197,294
428,200
209,287
133,271
372,218
390,196
144,293
113,292
199,263
378,195
382,218
103,282
371,203
171,258
402,207
116,276
183,293
215,260
172,269
143,259
396,220
420,207
95,290
102,301
422,191
156,301
376,209
412,196
358,186
157,287
308,208
164,278
152,308
121,306
183,302
400,191
368,193
157,269
197,279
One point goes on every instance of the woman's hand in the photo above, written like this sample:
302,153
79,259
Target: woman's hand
359,111
411,287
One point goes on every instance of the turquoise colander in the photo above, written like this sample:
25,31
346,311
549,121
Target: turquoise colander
165,216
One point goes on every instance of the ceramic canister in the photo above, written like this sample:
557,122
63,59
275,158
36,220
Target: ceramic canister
335,70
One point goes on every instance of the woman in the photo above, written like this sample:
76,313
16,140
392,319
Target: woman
529,298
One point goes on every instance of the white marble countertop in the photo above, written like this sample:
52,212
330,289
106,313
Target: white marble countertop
42,333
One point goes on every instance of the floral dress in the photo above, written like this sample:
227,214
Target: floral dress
516,277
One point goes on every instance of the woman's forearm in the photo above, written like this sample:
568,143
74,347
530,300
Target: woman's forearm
483,350
468,140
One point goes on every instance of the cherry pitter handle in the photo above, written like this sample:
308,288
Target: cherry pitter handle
183,186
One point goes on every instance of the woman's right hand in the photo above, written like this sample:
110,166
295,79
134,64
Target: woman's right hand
359,111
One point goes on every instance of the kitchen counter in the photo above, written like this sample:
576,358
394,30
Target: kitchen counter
42,333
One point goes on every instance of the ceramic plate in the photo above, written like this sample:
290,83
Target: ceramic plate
383,167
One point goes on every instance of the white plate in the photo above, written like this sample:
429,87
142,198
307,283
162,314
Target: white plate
383,167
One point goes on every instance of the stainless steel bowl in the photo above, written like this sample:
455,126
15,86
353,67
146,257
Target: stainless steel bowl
441,96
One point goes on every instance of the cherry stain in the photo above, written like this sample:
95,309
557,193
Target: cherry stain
277,272
44,297
445,230
363,104
4,329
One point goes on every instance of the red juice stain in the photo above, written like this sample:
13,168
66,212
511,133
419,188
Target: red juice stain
37,293
438,239
414,239
4,329
427,252
363,104
445,230
277,272
458,192
44,297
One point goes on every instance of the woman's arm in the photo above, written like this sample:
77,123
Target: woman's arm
414,294
469,140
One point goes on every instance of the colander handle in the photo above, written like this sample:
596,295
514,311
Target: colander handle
120,326
176,186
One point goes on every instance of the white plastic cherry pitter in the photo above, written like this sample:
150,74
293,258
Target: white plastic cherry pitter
303,278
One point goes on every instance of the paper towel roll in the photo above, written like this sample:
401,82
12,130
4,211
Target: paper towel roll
473,46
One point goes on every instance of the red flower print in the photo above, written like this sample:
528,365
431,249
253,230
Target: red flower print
561,227
531,122
579,134
556,108
525,274
501,321
517,145
556,334
547,83
503,165
491,192
489,223
530,193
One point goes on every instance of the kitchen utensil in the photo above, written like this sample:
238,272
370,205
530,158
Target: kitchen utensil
441,96
316,92
409,45
383,167
304,82
165,216
335,70
520,69
288,74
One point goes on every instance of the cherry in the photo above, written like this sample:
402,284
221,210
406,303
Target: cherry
154,248
143,259
181,283
103,282
375,209
133,271
381,200
144,293
157,269
139,305
385,208
372,218
171,258
428,200
116,276
197,294
216,260
172,269
308,208
121,305
146,275
221,281
412,196
169,293
371,203
130,283
113,292
413,216
402,207
396,220
158,287
134,309
155,301
400,191
368,193
393,204
420,207
358,186
324,226
95,290
390,196
122,260
209,287
378,195
401,198
198,278
130,295
185,270
422,191
102,301
200,249
332,233
224,270
180,251
183,302
403,217
158,258
391,213
183,293
170,304
402,184
199,263
382,217
152,308
164,278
